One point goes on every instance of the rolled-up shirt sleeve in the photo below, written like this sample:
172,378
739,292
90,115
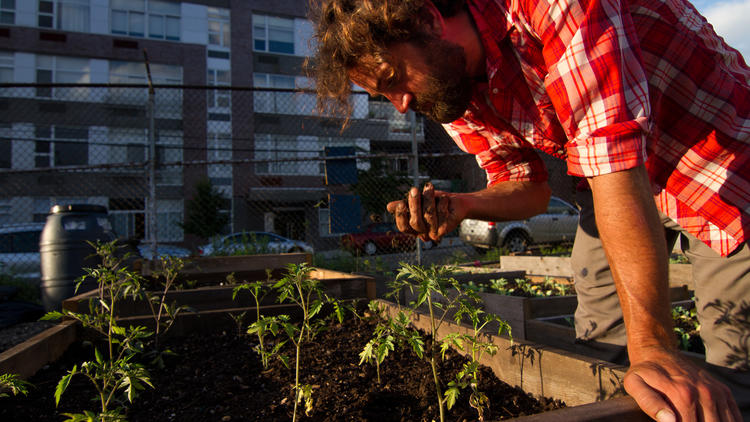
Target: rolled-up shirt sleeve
595,81
501,156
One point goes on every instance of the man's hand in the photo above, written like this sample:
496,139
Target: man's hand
430,215
668,387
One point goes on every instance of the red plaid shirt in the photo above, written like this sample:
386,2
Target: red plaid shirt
609,85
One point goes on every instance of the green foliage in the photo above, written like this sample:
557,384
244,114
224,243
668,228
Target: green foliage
164,313
443,296
263,325
115,373
299,288
378,186
686,325
522,287
203,216
14,384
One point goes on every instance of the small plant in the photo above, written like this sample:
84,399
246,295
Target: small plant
297,287
475,348
432,288
14,384
115,371
383,341
263,325
163,313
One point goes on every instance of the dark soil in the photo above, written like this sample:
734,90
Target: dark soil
219,378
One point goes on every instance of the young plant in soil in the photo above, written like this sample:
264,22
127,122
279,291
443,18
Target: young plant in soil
297,287
476,348
163,313
384,339
442,295
263,325
115,371
14,384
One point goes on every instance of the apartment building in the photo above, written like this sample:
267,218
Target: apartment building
67,143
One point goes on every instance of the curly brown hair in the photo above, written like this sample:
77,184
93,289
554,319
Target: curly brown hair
357,33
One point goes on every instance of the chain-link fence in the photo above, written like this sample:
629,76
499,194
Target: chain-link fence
185,165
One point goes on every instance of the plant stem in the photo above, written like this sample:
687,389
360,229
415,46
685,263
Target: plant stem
296,373
432,357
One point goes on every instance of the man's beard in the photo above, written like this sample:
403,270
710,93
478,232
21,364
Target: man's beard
448,89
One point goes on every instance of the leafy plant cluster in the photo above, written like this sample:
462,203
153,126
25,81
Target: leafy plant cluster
686,326
443,298
523,287
117,370
306,293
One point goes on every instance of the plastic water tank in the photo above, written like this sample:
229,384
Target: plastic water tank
64,251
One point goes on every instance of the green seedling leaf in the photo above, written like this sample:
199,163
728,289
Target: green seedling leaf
63,384
451,394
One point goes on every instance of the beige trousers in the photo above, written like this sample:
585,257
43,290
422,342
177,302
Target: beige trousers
722,297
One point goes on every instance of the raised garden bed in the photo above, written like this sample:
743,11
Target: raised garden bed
222,380
521,309
211,270
220,297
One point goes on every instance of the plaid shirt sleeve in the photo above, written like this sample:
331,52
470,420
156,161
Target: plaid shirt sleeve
501,156
595,81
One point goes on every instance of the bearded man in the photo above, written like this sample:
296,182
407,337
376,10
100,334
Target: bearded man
641,98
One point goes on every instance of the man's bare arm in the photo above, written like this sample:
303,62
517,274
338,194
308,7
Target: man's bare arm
661,379
432,214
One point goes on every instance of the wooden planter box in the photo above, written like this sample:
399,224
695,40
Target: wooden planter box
559,267
212,309
207,270
591,388
520,311
211,298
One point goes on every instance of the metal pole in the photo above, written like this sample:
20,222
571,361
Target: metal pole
151,234
415,171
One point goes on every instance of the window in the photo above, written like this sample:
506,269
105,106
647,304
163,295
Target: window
219,100
286,155
6,68
60,69
7,12
126,145
273,34
168,102
168,216
273,101
218,27
128,217
6,144
67,15
139,18
220,149
60,146
168,150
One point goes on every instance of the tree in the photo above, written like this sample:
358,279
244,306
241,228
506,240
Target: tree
204,218
377,187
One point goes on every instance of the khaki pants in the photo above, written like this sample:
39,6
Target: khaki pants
722,297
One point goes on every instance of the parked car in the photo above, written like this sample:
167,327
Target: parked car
144,249
19,251
253,242
557,225
379,237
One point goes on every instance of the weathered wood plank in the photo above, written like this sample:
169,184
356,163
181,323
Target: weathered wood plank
27,358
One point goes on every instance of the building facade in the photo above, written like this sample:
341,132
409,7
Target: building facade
224,107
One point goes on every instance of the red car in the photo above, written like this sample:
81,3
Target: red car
378,237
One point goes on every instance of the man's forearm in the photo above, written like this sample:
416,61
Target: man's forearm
505,201
633,239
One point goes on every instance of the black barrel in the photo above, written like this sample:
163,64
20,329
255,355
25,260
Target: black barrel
64,251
